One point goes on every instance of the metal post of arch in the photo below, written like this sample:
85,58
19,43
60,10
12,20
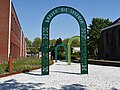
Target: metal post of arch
45,37
69,48
66,51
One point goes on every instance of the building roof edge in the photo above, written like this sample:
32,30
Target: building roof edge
110,26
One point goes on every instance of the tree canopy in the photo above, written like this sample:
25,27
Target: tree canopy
37,43
29,43
94,33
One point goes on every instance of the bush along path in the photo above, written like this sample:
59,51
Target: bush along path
20,65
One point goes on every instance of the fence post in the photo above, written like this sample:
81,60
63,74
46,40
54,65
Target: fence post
10,63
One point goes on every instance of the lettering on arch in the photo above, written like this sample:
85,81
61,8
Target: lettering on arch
45,36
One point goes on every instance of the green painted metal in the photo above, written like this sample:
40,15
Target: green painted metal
45,37
69,48
66,51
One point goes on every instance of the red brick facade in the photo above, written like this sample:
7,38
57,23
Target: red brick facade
4,27
12,39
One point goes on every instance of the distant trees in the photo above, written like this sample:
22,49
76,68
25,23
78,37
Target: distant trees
37,44
76,43
61,52
65,41
94,33
59,41
53,42
29,43
33,47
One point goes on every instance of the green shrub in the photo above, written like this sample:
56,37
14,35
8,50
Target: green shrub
22,64
26,63
3,68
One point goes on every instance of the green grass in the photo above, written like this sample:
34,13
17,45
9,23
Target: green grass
21,64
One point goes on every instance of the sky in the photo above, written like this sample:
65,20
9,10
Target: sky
32,12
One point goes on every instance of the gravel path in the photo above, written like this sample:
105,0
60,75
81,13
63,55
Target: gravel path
65,77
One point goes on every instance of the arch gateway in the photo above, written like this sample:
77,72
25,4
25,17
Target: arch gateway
69,48
45,37
66,51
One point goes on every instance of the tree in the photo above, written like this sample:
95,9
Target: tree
29,47
94,33
59,41
52,42
75,43
28,42
60,49
65,41
37,44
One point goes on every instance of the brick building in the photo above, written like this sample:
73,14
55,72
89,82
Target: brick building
109,44
12,39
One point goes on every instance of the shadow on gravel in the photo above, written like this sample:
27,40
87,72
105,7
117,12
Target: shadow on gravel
114,88
14,85
29,73
74,87
66,72
62,64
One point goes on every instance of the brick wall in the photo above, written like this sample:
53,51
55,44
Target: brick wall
17,40
4,28
15,35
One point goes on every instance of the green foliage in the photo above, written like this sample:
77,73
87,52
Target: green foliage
33,47
52,50
3,68
76,54
29,43
52,42
59,41
65,41
60,49
61,55
26,63
37,43
21,64
30,48
75,43
94,33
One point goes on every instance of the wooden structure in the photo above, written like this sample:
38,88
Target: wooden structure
109,44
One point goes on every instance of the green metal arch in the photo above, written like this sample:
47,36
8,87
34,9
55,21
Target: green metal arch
66,51
69,48
45,36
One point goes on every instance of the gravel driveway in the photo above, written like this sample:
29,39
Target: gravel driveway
65,77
